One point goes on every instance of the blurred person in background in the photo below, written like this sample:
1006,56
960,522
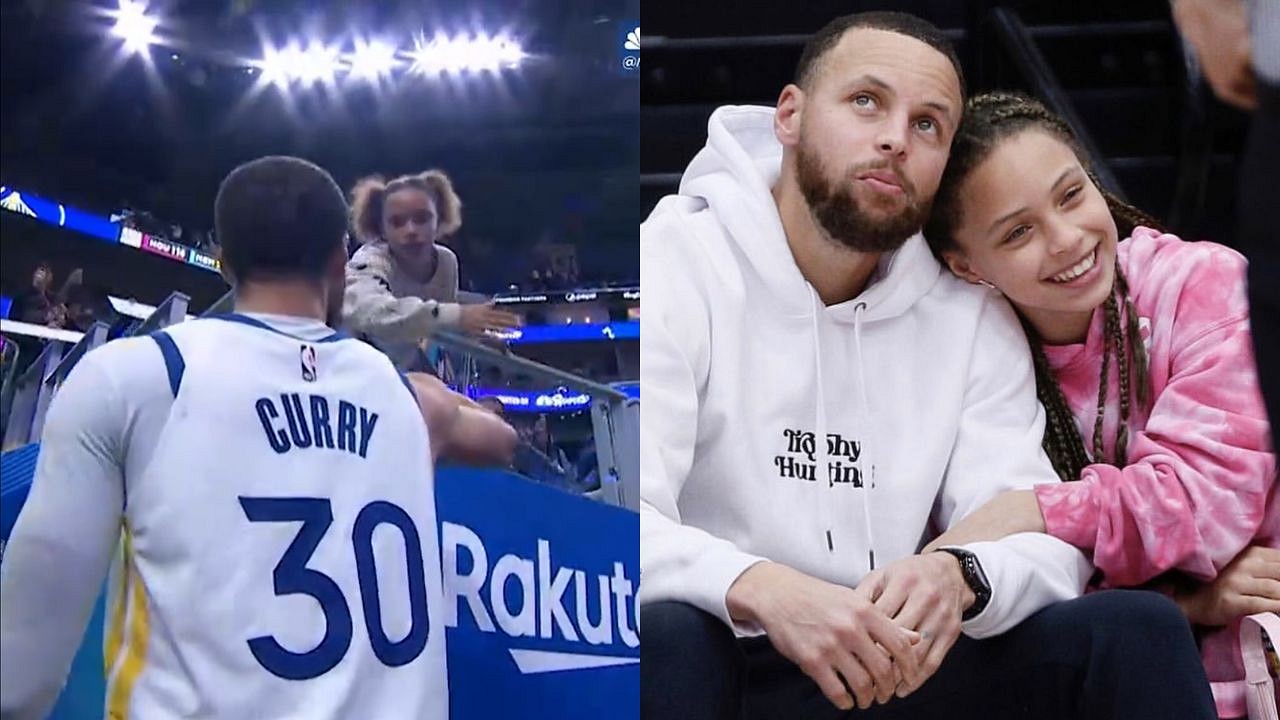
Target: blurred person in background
36,304
1238,45
401,283
540,457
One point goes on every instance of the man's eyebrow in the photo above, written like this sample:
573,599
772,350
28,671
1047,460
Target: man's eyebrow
873,80
879,83
940,107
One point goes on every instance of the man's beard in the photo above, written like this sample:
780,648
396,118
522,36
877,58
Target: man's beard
844,220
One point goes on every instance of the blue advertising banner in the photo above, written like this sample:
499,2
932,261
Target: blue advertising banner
59,214
540,605
578,332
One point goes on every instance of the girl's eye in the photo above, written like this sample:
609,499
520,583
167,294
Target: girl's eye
1017,234
1071,195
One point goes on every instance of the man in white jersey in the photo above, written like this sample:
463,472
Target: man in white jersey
263,489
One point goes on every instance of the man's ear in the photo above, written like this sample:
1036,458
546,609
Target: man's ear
787,115
225,271
958,262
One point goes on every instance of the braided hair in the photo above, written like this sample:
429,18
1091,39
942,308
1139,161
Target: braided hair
988,120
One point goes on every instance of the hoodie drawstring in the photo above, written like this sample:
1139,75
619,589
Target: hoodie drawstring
820,421
868,478
822,471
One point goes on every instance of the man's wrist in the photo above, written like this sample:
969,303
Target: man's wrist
742,598
955,573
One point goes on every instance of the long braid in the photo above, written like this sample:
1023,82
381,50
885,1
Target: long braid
1062,441
1108,349
989,119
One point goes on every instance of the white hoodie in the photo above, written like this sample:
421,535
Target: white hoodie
922,385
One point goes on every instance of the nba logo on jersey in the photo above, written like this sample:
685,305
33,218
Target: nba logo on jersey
308,360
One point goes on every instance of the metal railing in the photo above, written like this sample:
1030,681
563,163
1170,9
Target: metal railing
1019,41
34,389
615,417
10,354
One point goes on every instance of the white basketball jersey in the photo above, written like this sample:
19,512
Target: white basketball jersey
281,554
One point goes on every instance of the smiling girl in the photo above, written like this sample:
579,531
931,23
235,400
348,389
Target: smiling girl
1145,369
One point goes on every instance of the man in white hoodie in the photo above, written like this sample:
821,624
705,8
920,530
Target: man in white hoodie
821,398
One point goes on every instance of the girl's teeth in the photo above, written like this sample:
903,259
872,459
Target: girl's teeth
1077,270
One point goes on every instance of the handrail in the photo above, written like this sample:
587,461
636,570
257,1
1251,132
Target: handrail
222,305
458,343
93,337
660,42
615,416
1018,41
171,312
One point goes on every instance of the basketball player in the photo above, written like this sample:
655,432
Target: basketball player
268,484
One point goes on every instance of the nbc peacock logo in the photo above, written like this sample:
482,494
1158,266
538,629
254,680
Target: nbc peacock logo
629,59
13,202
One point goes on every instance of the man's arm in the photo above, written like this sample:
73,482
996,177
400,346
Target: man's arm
459,429
1218,32
677,561
998,448
61,545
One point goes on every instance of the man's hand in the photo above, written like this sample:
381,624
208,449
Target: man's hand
1009,513
477,319
835,635
1250,584
1219,33
928,594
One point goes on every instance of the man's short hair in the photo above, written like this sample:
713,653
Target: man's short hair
279,217
898,22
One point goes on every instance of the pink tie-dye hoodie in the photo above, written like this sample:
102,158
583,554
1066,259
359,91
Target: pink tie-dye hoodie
1200,482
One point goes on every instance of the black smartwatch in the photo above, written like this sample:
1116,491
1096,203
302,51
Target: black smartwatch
971,569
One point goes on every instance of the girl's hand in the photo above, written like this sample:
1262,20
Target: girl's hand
1250,584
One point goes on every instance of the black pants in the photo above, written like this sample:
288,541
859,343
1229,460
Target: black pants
1115,655
1260,241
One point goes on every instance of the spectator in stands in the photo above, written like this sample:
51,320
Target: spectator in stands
1177,479
493,405
36,304
402,283
539,458
542,440
819,397
1239,51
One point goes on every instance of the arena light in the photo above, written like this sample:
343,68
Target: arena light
276,66
134,26
459,54
372,60
314,64
317,64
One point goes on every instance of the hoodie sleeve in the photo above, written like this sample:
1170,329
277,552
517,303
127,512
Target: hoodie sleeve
677,562
369,307
1194,492
998,448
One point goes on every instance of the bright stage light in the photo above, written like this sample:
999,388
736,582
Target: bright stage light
135,26
459,54
294,64
373,60
318,64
